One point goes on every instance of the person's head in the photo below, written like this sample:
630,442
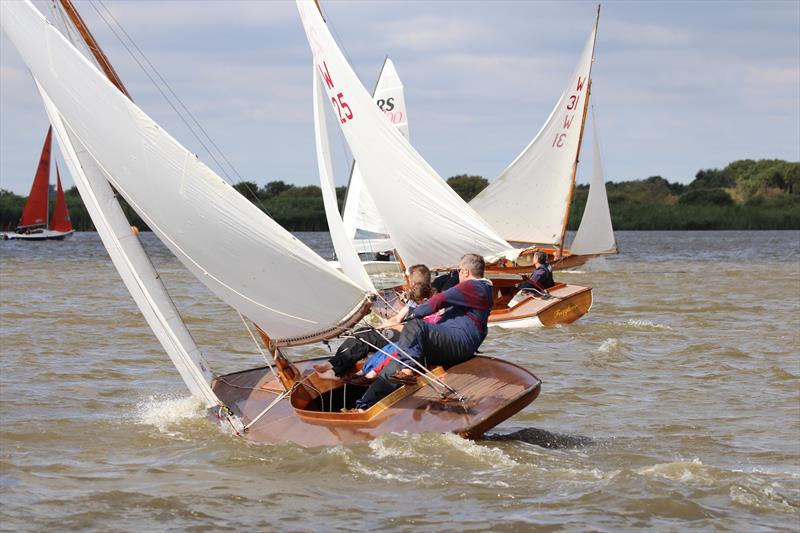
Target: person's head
419,274
539,258
420,292
471,266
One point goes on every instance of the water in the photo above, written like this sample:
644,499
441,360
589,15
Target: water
675,404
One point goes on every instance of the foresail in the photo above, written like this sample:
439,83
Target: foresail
348,259
238,252
60,220
362,219
131,261
595,234
528,202
35,211
428,222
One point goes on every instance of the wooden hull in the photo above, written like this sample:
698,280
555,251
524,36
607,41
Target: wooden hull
567,303
311,416
524,263
46,235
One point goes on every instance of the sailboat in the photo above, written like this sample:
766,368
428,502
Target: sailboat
247,260
530,201
33,224
428,221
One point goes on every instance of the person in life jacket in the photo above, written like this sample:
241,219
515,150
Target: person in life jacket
453,340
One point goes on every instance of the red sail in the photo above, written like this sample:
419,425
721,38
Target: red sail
35,213
60,220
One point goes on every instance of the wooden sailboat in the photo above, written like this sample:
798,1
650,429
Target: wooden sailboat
33,225
245,259
435,228
529,203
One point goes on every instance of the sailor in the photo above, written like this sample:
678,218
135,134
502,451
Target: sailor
453,340
541,278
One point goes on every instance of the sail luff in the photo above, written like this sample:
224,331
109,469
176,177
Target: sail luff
580,139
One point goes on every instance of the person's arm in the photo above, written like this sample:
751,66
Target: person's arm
396,319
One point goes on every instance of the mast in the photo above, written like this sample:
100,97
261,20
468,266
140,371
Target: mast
580,140
94,47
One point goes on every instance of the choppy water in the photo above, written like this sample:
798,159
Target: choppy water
675,404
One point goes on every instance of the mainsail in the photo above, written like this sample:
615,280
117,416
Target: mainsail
529,201
595,234
238,252
35,211
404,186
362,219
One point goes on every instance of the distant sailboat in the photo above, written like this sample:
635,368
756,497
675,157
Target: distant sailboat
530,201
247,260
33,224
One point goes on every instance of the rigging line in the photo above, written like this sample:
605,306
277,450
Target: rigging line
263,355
425,373
186,109
158,87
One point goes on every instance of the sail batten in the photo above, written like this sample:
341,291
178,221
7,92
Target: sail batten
231,246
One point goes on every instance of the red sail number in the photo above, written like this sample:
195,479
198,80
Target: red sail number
340,105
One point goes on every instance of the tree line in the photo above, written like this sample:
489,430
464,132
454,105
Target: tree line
746,194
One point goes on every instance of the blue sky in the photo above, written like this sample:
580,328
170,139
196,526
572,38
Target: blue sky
678,86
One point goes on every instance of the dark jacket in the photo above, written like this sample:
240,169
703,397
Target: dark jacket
542,278
467,307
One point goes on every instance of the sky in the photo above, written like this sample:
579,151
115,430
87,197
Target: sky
677,86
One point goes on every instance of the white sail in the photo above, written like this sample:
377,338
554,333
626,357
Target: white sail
348,258
237,251
132,262
528,202
362,219
405,188
595,234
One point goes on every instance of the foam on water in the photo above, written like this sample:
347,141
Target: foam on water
645,324
763,498
165,411
609,346
693,471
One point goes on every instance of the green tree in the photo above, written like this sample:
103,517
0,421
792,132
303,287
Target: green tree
467,186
